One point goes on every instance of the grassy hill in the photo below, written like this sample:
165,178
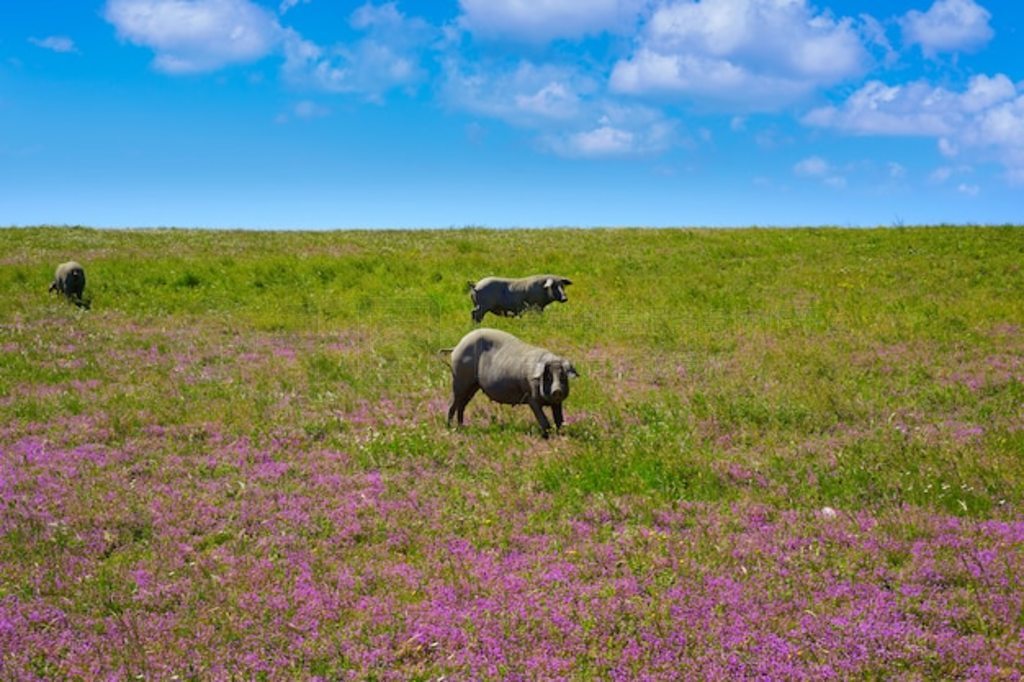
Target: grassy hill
791,453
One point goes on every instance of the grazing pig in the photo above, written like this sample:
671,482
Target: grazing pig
502,296
509,371
69,280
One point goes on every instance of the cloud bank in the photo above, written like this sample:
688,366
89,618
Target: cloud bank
645,65
986,117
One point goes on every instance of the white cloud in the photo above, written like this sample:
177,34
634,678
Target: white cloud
388,57
564,107
812,166
602,141
61,44
815,167
619,131
609,141
968,190
987,118
537,21
554,100
984,92
760,54
527,95
289,4
998,126
948,26
878,109
192,36
369,68
650,72
387,19
897,171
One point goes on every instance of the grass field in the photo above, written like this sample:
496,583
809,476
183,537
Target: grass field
791,454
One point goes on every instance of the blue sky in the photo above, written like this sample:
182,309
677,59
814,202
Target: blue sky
323,114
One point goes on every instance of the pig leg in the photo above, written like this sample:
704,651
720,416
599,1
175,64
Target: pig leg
556,412
545,425
462,393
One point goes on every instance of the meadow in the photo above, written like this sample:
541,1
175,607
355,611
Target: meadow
791,454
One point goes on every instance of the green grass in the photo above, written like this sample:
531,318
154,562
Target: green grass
236,464
791,354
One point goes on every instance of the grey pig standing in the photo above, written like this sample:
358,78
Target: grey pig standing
509,371
502,296
69,280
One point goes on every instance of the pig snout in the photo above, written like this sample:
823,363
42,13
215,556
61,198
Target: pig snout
554,387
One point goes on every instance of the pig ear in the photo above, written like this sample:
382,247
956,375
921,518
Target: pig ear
566,281
569,369
548,283
538,369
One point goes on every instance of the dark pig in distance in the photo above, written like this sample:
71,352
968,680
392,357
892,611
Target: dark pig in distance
69,281
501,296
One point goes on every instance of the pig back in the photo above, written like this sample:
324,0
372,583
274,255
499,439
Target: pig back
504,372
